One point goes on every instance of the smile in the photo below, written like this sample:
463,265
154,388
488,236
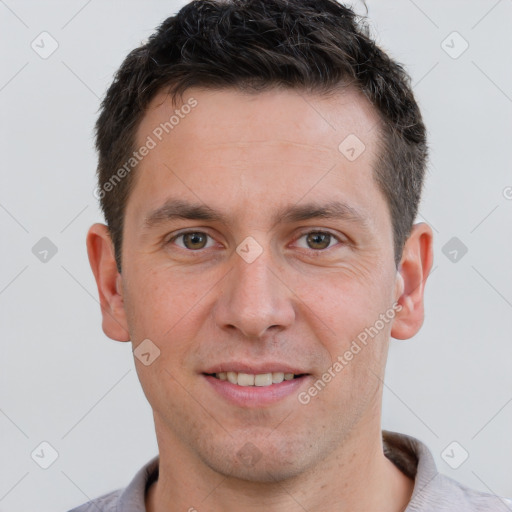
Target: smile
250,379
255,390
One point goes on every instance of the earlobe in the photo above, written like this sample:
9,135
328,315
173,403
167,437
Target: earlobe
109,282
415,266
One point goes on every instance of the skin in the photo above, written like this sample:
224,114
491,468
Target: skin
299,302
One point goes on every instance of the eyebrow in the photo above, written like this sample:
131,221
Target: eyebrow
329,210
178,209
174,209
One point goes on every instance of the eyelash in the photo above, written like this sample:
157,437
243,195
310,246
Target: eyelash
302,234
320,232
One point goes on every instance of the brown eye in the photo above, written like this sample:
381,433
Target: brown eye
191,240
194,240
318,240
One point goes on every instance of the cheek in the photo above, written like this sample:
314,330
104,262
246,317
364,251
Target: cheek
160,295
344,305
163,307
346,317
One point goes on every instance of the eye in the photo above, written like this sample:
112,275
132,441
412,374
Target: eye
318,240
192,240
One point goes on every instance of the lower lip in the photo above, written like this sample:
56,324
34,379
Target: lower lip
255,396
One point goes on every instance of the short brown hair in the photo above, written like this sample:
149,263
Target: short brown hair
314,45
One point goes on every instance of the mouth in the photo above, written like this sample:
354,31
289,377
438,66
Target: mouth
256,389
257,380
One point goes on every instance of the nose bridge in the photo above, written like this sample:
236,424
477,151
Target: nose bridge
254,299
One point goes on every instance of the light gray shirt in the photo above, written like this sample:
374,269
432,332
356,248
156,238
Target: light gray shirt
433,492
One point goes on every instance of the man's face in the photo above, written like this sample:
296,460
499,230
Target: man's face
291,299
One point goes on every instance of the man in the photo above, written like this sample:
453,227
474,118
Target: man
260,169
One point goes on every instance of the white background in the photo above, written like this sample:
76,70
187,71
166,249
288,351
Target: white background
62,381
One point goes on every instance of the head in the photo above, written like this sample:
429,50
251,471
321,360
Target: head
260,169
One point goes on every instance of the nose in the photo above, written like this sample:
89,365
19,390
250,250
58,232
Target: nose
254,298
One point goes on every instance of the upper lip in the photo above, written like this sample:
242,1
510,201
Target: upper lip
252,368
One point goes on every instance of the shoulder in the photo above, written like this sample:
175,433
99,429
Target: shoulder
106,503
445,493
131,498
433,490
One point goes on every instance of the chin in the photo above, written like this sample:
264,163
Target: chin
258,460
263,471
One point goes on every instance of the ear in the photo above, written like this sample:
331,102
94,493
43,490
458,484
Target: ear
109,281
415,265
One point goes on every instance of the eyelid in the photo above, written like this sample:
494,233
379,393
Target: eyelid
341,239
168,239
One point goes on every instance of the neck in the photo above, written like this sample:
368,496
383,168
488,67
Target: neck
356,477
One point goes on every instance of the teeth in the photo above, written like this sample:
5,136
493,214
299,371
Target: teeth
248,379
245,379
263,379
277,377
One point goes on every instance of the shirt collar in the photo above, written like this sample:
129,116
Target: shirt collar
414,459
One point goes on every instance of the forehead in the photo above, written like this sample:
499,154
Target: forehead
221,117
228,147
